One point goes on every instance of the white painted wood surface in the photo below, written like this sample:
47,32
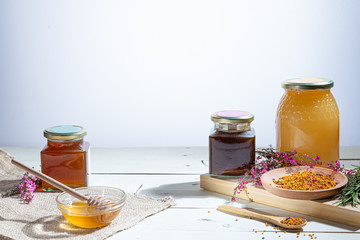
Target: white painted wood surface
175,171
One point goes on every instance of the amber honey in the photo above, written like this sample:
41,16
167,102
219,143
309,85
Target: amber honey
231,143
99,215
65,157
308,120
84,216
231,154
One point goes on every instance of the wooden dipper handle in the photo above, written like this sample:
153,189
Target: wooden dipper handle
50,180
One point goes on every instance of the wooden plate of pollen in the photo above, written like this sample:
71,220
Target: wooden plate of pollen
267,180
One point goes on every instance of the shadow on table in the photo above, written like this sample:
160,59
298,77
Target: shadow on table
49,227
8,184
193,190
181,190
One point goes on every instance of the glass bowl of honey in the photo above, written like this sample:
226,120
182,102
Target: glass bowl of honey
81,215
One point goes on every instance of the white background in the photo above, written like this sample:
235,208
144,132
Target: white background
150,73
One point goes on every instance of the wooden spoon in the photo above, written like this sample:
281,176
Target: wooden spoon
91,201
269,218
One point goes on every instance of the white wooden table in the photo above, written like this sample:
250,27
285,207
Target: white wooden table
175,171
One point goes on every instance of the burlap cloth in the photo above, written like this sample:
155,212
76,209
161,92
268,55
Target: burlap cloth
42,220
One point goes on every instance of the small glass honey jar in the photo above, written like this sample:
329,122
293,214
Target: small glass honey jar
231,143
66,156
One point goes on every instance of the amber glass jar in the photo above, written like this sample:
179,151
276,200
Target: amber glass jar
307,119
65,157
231,143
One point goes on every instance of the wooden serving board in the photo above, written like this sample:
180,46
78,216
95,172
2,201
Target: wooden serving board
323,208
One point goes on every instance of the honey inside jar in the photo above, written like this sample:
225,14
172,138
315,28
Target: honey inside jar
231,143
65,157
308,119
84,216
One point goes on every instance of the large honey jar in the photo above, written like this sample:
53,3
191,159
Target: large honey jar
65,156
231,143
307,119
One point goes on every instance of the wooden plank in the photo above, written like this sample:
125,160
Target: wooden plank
350,152
155,160
190,218
175,234
321,208
176,223
172,160
189,196
184,188
350,163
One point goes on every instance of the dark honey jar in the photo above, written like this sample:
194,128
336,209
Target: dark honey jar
65,156
231,143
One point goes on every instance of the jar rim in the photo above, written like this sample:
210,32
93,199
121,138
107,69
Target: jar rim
65,132
307,83
232,128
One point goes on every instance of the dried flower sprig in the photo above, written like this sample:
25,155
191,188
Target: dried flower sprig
239,188
27,187
269,158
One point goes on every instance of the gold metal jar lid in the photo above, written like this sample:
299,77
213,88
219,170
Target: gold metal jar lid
307,83
65,132
232,117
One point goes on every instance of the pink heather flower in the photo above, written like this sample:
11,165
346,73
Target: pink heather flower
27,187
269,159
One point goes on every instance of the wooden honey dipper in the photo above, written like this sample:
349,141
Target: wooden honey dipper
269,218
90,201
